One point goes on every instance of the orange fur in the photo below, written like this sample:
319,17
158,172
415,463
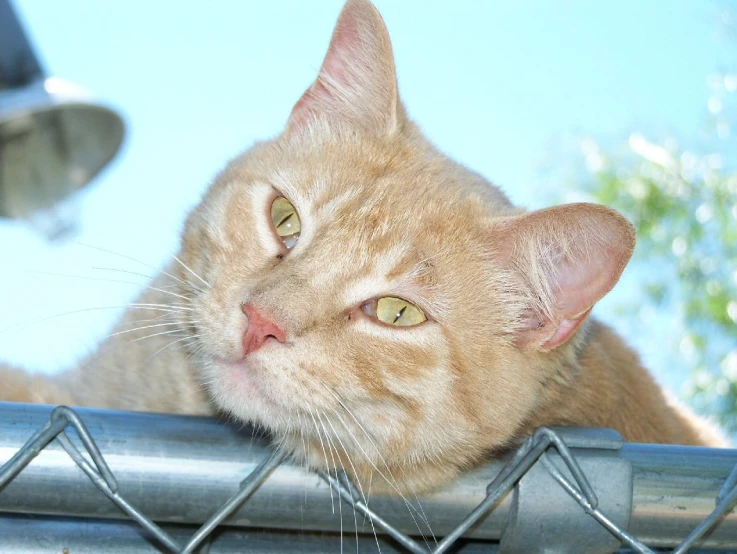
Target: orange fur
507,347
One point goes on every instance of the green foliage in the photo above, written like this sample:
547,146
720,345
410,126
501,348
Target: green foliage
684,207
683,202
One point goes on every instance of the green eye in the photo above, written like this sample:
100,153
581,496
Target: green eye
395,311
286,221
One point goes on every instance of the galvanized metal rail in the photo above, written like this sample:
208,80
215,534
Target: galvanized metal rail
178,471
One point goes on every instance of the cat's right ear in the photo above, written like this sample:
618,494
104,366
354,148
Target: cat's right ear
563,260
357,83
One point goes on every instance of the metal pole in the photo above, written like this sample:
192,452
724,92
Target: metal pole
182,469
24,535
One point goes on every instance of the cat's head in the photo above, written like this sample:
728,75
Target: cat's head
368,295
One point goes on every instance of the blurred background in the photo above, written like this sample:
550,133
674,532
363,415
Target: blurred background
629,103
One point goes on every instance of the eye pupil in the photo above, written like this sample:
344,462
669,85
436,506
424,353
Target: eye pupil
401,312
286,221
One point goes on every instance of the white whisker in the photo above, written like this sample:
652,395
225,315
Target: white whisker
168,324
358,482
132,259
170,332
171,293
87,277
185,266
159,318
327,466
302,436
148,277
393,483
167,346
136,306
331,448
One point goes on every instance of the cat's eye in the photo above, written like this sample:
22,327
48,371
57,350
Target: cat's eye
394,311
286,221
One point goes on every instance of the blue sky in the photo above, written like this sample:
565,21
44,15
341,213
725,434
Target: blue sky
499,85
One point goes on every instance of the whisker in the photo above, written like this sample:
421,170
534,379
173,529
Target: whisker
87,277
185,266
157,318
301,433
332,500
126,271
358,482
331,448
170,293
148,277
167,324
172,331
167,346
302,436
173,307
393,483
425,520
365,432
135,306
108,280
129,258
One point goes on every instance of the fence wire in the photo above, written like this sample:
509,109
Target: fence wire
535,449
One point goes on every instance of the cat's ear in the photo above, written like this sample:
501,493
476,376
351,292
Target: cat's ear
357,83
568,258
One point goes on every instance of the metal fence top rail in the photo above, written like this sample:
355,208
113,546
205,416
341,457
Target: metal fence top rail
181,470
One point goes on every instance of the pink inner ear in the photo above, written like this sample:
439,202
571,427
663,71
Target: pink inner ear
302,111
357,82
345,47
579,284
333,70
565,330
571,256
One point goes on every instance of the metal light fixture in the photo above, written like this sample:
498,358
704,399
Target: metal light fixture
54,138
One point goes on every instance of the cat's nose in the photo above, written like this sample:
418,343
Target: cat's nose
260,329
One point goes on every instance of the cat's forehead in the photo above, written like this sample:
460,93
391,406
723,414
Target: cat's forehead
396,210
389,213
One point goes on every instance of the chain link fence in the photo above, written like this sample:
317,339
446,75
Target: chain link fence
563,490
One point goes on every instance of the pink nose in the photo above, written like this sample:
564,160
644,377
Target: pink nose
259,330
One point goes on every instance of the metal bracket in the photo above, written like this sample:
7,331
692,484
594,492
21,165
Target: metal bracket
545,517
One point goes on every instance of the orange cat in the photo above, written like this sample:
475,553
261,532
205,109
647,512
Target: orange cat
346,279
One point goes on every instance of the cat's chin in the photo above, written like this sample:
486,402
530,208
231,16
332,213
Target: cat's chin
237,389
243,380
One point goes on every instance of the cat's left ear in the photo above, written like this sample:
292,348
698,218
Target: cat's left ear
357,83
565,259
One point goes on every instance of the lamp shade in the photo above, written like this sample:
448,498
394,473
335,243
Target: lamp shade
54,139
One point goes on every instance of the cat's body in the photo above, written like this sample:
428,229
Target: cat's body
287,329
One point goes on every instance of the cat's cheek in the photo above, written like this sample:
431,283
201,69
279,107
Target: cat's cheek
220,322
221,338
